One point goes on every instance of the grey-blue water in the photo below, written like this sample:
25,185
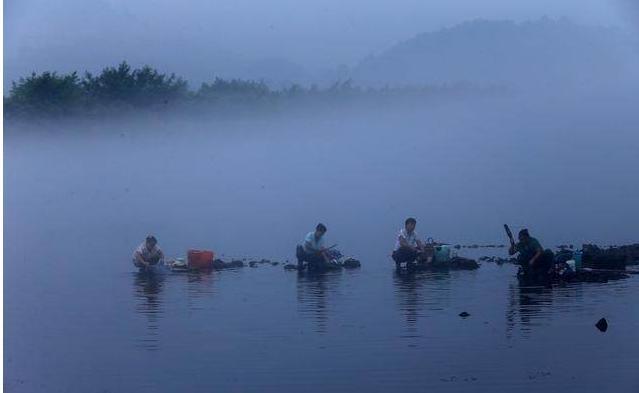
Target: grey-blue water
79,198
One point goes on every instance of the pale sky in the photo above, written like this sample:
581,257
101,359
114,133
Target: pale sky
314,34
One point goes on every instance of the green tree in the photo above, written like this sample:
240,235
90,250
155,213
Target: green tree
46,94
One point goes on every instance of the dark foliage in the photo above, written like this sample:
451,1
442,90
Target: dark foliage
123,89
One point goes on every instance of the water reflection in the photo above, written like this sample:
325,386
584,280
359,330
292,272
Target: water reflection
528,306
313,291
147,288
200,287
420,291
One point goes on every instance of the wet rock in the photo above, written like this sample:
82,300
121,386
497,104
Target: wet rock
351,263
460,263
253,263
497,260
290,266
235,263
219,264
274,263
602,325
612,258
464,314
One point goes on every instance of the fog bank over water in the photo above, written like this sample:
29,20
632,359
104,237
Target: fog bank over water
563,167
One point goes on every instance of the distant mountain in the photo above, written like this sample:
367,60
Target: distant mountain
542,53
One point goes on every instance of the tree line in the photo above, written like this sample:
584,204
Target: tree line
123,88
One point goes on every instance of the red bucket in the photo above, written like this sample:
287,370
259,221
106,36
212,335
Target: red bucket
200,259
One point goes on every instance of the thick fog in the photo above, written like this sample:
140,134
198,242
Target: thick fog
255,186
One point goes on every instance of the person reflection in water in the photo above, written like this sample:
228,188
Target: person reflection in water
148,253
147,289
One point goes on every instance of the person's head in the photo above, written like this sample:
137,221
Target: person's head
524,235
410,224
151,241
320,230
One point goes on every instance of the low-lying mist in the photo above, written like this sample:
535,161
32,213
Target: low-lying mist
562,166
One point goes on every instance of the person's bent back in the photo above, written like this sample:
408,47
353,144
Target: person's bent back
312,249
148,253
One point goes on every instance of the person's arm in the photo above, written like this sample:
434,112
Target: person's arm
420,245
404,243
161,254
140,259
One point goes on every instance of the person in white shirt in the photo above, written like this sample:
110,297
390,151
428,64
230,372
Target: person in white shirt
312,249
148,253
408,247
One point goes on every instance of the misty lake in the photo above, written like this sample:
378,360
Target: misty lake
80,197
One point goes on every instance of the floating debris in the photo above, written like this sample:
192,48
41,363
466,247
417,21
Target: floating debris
464,314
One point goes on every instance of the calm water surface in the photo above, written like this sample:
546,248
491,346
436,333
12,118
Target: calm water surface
79,318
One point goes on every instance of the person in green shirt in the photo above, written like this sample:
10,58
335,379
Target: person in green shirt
532,257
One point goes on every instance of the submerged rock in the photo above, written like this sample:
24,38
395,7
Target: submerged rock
464,314
290,266
602,325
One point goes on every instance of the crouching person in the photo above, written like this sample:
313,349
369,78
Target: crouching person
535,262
148,253
408,248
312,251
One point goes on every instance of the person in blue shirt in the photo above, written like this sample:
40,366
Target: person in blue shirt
312,249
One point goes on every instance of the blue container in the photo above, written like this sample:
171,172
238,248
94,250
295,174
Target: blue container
577,257
442,253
